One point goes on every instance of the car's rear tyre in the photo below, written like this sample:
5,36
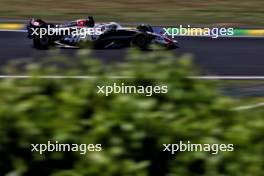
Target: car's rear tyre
141,41
43,42
172,47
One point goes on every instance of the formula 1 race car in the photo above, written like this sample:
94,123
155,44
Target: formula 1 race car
86,32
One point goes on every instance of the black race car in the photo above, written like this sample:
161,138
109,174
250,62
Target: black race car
85,32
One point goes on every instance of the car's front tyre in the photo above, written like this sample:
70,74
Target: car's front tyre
43,42
141,41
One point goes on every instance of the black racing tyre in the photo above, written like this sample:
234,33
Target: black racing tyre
141,41
145,28
43,42
172,47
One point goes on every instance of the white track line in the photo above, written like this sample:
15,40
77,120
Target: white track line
11,30
58,77
128,77
227,77
240,108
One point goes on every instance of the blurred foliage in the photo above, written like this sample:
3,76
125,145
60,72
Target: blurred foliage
131,128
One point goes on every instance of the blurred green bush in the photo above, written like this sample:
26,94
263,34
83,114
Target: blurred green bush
131,128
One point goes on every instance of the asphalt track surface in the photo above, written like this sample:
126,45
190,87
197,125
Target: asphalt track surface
221,57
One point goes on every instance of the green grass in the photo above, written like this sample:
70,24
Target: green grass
147,11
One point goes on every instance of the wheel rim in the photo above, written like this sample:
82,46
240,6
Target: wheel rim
141,41
44,40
